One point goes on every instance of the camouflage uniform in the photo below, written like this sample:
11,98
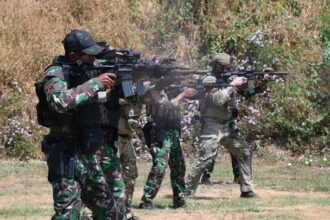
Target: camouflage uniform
73,173
112,169
164,142
81,157
218,128
128,124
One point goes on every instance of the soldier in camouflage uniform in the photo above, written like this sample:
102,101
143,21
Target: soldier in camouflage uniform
162,137
128,124
78,153
217,128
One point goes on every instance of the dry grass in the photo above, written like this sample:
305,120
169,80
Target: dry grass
32,31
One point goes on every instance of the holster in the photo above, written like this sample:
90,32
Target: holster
147,133
234,113
93,139
61,157
111,137
153,134
233,129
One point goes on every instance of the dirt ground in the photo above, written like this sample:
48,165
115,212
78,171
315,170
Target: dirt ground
228,192
210,202
217,192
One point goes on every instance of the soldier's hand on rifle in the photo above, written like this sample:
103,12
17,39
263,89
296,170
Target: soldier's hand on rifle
186,93
266,77
238,81
147,83
108,80
213,90
189,92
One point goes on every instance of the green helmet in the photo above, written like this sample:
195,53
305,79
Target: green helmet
222,59
209,80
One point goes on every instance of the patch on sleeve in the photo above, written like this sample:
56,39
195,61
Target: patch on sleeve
55,71
50,89
55,85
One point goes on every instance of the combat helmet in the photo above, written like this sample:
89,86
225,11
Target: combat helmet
223,59
209,80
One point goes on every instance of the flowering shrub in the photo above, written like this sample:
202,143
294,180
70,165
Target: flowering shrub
15,130
289,35
18,138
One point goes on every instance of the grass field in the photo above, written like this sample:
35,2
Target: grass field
295,192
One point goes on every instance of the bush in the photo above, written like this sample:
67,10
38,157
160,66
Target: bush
291,35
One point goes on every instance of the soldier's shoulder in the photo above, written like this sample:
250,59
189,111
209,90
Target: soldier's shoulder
54,70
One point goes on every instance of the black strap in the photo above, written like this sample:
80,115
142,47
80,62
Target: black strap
66,72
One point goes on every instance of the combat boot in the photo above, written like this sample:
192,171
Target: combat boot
133,217
249,195
189,193
146,205
179,204
206,181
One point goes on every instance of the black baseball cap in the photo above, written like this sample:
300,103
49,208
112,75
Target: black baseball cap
81,41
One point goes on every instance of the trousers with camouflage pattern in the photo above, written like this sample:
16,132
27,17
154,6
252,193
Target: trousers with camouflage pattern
77,175
127,157
112,169
169,151
68,172
213,135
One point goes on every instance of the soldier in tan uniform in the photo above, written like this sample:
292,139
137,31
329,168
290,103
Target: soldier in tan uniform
128,125
218,129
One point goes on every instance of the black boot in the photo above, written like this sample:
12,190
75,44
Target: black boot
133,218
146,205
249,195
206,180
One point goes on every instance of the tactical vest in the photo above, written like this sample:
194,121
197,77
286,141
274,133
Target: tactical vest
94,113
209,109
165,116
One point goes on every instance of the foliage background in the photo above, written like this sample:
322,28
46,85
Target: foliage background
291,35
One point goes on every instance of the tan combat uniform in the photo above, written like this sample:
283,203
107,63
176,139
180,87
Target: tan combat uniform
128,124
217,129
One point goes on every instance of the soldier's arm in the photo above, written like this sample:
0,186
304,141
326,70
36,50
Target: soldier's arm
158,97
223,96
186,93
62,99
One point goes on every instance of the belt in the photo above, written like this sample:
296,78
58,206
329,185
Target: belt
64,131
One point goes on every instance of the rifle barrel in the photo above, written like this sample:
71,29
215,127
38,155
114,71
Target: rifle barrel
188,71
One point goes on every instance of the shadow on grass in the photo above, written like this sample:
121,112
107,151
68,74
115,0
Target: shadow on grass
199,198
224,183
156,206
208,198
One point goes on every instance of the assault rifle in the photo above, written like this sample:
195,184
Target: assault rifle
253,76
224,78
199,86
130,70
